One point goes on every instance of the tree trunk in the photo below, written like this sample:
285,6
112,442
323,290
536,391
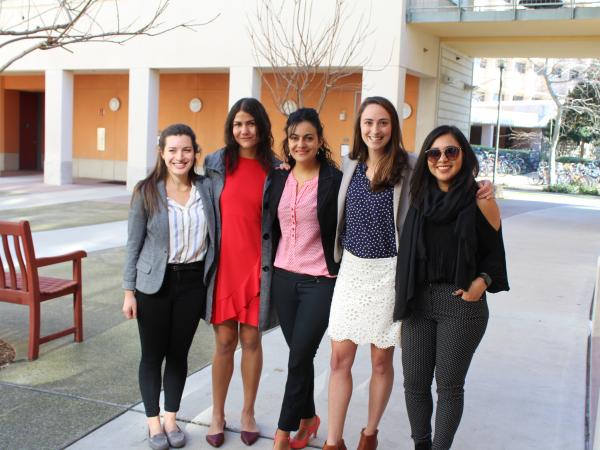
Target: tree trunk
555,137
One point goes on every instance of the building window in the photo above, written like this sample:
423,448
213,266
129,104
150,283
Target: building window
483,63
520,67
518,98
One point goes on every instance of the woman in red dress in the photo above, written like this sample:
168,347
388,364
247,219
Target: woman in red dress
240,307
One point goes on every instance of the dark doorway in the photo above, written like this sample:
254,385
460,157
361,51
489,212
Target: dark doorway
31,130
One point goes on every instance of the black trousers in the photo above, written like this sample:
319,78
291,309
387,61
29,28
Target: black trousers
167,322
302,303
442,336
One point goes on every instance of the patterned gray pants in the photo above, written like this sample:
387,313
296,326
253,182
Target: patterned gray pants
441,336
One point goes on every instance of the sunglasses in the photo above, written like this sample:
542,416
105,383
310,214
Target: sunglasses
451,152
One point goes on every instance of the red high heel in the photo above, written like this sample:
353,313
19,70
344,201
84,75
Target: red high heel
309,432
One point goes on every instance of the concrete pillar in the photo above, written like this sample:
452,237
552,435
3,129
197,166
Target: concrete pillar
388,82
487,135
58,155
143,124
244,81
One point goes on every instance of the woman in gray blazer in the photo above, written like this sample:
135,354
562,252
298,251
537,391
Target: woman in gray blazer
170,251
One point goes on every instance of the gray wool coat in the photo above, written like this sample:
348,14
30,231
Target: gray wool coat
148,241
214,166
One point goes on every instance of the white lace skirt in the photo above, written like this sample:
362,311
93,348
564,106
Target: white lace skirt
362,308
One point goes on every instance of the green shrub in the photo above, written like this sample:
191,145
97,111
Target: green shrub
589,190
562,188
572,189
572,160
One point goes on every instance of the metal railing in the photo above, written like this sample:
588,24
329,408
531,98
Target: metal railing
496,5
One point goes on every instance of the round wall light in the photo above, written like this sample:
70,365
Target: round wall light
289,106
114,104
195,105
406,110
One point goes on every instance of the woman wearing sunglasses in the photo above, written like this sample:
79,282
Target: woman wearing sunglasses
451,252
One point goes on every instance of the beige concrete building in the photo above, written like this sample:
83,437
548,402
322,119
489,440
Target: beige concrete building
96,111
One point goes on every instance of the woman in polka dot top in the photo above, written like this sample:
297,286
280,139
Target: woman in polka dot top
372,204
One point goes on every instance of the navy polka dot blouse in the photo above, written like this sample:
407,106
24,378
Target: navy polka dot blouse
369,230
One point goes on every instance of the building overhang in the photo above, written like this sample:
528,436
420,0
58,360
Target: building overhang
542,33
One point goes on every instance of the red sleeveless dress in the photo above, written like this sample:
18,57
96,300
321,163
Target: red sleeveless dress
237,291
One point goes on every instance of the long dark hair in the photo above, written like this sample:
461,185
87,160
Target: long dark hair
264,149
311,116
395,159
147,188
422,179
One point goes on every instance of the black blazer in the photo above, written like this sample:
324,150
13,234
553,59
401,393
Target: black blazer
327,193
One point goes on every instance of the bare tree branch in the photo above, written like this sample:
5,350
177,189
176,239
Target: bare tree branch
71,22
295,52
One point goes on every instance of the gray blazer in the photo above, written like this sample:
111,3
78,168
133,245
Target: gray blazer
401,200
148,241
214,165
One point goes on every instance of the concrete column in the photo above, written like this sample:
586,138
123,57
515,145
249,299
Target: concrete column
388,82
244,81
143,124
487,135
58,155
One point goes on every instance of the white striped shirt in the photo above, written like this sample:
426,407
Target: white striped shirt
187,229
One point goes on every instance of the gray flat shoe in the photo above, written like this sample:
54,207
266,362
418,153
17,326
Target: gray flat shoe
158,441
176,438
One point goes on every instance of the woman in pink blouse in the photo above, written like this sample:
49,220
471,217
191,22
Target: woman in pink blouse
303,205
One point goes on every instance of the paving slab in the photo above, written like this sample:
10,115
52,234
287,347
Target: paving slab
90,238
111,436
37,420
68,215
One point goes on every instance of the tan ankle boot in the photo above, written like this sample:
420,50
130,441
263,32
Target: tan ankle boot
367,442
340,446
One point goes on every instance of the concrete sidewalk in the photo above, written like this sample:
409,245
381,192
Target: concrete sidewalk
525,389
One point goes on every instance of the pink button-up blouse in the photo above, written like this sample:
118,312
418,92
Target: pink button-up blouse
300,249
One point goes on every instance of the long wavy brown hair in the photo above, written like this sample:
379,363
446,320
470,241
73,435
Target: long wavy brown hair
264,149
311,116
148,187
395,159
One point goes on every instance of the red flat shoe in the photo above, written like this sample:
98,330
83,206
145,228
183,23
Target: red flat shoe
216,440
249,437
308,432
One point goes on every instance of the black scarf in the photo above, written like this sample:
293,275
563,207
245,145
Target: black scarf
458,205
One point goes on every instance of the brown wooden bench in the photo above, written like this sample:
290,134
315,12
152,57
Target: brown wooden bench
21,284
